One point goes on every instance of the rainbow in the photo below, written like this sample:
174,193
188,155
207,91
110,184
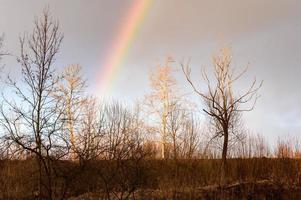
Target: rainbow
122,44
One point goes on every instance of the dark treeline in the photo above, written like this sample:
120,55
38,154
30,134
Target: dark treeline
59,142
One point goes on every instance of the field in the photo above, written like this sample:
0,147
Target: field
258,178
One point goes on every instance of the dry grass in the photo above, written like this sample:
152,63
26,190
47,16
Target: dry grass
256,178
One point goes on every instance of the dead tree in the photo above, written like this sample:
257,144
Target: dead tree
222,105
31,118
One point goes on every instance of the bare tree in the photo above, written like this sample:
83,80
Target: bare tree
254,146
285,147
182,131
122,140
191,136
32,118
223,106
90,138
162,99
72,97
5,145
175,125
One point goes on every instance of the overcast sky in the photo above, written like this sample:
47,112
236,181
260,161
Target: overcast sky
264,33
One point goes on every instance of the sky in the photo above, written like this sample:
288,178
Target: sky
264,34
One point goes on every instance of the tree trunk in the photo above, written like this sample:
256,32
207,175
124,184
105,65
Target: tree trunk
224,159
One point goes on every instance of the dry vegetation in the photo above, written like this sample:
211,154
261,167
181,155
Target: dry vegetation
58,142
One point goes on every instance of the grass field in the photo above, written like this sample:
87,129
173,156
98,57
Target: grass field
258,178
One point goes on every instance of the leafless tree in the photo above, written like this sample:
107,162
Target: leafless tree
182,131
285,147
5,149
90,138
71,94
162,99
254,146
175,125
191,138
31,119
223,106
124,136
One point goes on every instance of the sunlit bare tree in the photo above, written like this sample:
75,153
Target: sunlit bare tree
162,99
71,94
